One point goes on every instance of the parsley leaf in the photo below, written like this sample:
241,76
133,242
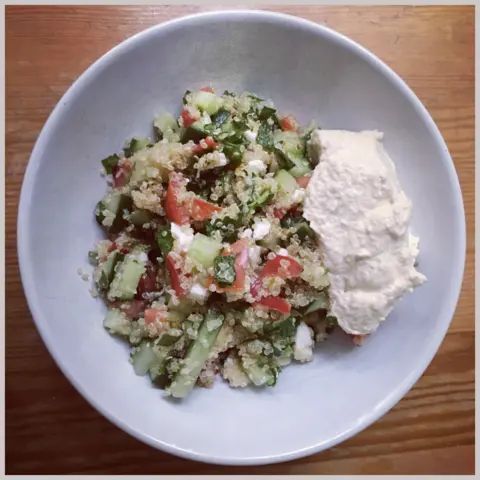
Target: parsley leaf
164,240
224,270
265,136
110,162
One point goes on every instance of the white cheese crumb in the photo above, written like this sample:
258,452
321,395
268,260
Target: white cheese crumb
261,229
298,195
254,254
256,166
198,293
183,236
247,233
303,349
283,252
250,135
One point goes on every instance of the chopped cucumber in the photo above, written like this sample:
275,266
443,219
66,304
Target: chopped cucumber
135,145
260,375
207,102
286,182
143,358
140,217
204,250
321,303
194,132
197,355
168,339
301,168
117,323
109,211
107,270
291,151
151,358
163,123
127,275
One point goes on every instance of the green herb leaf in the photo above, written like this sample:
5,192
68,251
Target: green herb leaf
219,118
266,112
135,145
261,199
224,270
184,98
265,136
227,227
164,240
284,328
110,162
255,98
331,321
233,152
92,255
239,126
320,303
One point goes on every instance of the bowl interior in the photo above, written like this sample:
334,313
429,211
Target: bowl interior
314,74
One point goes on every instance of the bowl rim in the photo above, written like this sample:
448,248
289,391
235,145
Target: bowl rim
23,232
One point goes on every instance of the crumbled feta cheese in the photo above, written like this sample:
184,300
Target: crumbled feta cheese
198,293
283,252
303,349
247,233
256,166
261,229
254,253
298,195
183,236
206,118
222,160
250,135
141,257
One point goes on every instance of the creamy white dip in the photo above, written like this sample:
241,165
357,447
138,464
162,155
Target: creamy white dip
355,204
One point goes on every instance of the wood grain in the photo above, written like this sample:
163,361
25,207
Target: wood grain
51,429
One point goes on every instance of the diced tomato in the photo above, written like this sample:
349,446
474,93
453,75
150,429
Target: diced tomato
291,269
358,339
236,247
202,210
123,250
289,123
153,315
187,118
121,174
132,308
303,181
207,89
279,213
274,303
175,277
255,286
176,211
148,281
205,145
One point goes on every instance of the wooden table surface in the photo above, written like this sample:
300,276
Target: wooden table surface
51,429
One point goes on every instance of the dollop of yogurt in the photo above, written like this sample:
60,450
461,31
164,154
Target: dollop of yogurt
361,215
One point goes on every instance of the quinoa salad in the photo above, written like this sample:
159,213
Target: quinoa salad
209,267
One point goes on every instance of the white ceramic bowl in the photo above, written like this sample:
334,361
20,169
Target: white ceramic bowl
314,73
